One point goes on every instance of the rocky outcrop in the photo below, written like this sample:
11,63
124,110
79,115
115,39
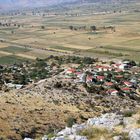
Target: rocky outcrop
134,134
108,121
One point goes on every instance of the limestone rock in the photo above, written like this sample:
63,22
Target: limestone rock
134,134
106,120
117,138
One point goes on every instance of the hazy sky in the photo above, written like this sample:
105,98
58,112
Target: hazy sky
24,3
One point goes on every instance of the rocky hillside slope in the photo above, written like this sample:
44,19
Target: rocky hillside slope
46,106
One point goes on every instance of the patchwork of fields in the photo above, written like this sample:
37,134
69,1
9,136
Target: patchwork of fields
55,37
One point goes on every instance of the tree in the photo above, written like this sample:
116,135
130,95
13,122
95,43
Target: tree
42,27
87,60
71,27
40,63
93,28
23,79
12,32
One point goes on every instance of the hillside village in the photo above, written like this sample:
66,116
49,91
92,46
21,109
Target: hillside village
118,78
114,78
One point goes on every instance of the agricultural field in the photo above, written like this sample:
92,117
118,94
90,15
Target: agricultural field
40,36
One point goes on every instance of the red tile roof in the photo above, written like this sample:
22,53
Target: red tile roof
127,83
72,70
118,70
100,77
109,84
112,90
89,78
119,76
125,89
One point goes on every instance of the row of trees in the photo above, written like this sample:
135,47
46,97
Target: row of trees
92,28
10,24
72,59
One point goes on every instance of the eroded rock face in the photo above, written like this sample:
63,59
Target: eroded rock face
45,138
59,138
28,139
70,137
65,132
77,137
106,120
109,121
118,138
73,130
134,134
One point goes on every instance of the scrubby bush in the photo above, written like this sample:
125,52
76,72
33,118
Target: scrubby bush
71,121
138,121
128,113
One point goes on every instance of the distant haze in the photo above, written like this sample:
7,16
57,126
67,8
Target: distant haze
29,3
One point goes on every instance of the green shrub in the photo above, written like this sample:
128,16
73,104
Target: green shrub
138,121
128,113
51,135
71,121
125,136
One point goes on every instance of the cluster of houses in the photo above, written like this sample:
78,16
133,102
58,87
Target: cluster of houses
17,76
114,78
121,77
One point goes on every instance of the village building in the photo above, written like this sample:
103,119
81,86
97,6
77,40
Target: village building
108,84
128,84
100,78
112,92
126,89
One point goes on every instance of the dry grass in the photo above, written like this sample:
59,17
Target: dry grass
96,133
26,111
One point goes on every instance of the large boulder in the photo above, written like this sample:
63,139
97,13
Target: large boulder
106,120
60,138
28,139
76,137
129,122
117,138
45,138
134,134
65,132
78,127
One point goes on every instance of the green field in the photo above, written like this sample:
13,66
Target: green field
12,60
14,49
64,48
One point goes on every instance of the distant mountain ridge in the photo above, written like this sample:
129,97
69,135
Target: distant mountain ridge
7,4
106,1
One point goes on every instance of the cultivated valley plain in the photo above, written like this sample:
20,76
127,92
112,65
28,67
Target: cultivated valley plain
64,64
29,34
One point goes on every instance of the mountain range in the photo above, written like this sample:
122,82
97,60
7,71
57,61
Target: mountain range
7,4
29,3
